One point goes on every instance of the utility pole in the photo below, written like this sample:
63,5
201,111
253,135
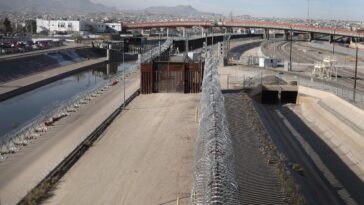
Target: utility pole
124,77
308,11
160,49
206,38
274,45
212,32
333,42
356,69
290,51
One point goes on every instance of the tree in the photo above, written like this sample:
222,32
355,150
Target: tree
7,25
31,26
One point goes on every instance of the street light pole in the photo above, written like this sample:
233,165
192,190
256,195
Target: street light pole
160,49
212,38
124,77
333,42
356,69
290,50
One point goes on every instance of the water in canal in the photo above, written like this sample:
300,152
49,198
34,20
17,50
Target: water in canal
18,111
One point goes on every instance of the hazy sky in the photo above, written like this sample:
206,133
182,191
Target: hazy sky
329,9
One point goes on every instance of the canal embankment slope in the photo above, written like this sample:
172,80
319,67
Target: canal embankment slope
19,86
22,171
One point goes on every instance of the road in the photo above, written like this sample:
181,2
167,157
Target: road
144,157
20,172
39,52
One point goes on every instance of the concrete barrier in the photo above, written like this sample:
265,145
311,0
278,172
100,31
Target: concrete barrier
348,118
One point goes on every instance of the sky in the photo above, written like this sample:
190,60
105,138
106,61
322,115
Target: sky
323,9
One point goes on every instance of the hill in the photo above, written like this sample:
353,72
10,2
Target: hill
54,6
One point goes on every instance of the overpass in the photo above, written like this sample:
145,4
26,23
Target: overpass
246,24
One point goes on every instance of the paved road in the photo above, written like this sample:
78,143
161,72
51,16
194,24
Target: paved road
38,52
21,85
144,157
20,172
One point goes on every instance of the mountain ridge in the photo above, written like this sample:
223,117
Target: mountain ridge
55,6
179,10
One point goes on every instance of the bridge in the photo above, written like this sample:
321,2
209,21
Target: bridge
245,24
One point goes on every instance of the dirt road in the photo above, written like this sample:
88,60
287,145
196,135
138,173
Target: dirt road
144,157
20,172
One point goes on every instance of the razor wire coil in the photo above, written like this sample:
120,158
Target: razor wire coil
213,177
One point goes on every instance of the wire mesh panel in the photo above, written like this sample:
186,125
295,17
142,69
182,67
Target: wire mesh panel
213,178
156,51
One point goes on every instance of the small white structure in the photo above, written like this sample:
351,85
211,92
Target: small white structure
193,56
54,26
268,62
325,69
114,27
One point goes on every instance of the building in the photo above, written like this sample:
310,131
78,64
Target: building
114,27
99,27
64,26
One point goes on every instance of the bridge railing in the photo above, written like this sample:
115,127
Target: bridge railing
251,24
295,27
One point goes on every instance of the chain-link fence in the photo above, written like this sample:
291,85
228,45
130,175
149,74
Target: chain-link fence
333,87
213,178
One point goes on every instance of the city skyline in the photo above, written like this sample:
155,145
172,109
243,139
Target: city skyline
319,9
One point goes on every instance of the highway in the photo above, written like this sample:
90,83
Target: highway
241,24
39,52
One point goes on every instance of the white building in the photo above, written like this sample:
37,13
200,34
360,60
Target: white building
54,26
100,27
114,27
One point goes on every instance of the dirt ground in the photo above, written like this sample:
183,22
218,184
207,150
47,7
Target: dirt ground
144,157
